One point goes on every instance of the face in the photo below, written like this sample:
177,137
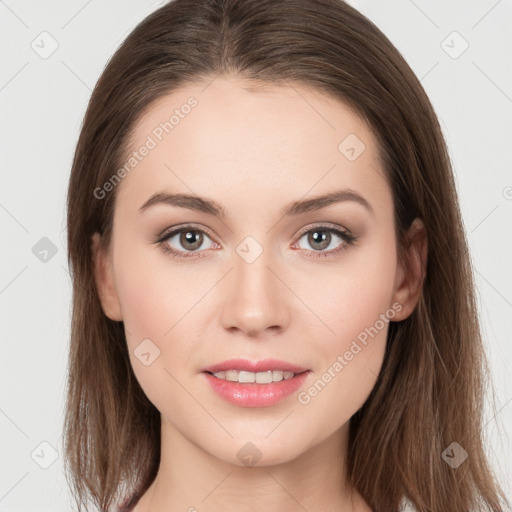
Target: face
313,286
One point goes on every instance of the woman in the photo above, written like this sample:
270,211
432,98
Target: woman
317,346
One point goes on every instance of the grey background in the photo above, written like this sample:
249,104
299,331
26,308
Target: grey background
42,103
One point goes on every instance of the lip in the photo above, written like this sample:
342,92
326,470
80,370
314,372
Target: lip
254,394
254,366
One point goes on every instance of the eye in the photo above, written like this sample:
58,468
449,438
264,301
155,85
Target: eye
190,238
188,241
321,237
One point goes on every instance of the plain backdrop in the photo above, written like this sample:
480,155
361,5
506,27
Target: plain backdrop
52,54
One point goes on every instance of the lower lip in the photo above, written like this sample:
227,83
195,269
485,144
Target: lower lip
253,394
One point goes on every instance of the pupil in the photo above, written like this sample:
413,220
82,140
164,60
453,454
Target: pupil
323,239
193,238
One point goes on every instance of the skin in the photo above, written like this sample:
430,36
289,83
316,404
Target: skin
254,150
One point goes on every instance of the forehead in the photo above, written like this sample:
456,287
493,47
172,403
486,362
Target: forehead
231,136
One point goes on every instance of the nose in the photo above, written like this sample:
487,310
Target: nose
255,299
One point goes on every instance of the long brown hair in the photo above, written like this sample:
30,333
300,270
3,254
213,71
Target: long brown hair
432,385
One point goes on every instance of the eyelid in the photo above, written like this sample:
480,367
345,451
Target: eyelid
174,229
320,225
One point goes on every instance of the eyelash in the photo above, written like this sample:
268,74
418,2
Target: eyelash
347,237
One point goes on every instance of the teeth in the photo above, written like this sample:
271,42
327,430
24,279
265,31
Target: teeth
259,377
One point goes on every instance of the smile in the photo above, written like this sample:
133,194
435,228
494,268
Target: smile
258,377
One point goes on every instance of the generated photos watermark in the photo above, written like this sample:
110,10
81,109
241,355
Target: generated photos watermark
152,140
342,360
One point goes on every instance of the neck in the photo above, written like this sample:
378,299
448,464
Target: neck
193,480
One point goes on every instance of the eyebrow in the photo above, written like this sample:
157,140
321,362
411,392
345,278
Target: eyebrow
209,206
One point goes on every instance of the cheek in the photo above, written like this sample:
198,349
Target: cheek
148,299
356,305
350,296
152,289
351,360
157,303
143,297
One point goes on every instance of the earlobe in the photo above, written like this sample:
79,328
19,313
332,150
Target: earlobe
104,280
410,275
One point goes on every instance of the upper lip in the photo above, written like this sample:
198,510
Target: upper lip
254,366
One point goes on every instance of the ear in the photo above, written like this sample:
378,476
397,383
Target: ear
411,273
104,280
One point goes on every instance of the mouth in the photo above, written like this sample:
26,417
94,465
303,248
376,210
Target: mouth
246,377
255,384
245,366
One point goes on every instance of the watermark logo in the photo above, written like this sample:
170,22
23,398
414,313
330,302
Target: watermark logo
44,455
249,249
249,454
44,45
44,250
454,45
146,352
351,147
454,455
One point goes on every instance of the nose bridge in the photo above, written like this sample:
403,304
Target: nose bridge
255,298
